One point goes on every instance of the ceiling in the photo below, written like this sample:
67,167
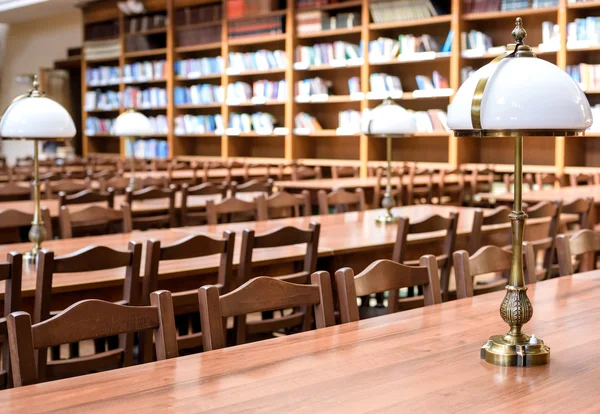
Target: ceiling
16,11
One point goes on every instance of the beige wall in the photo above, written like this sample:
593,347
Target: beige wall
30,46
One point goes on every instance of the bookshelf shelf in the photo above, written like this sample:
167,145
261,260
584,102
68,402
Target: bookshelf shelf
436,60
101,136
258,40
156,108
443,19
327,133
584,5
592,135
331,33
111,59
328,99
145,53
255,72
100,111
145,82
592,91
206,135
197,79
332,6
198,48
592,48
327,67
254,134
266,103
199,106
492,15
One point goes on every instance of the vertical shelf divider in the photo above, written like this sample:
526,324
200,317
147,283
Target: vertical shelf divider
224,78
170,84
364,84
290,105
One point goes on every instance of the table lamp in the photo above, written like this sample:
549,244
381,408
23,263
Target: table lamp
518,95
35,117
130,125
388,120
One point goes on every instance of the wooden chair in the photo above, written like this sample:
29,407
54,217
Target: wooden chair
341,201
386,276
11,222
88,196
584,179
509,180
14,192
548,179
89,259
583,208
482,222
582,246
193,246
284,236
283,204
94,220
191,215
397,187
11,272
452,193
480,181
89,319
253,186
271,172
260,295
66,185
419,193
153,220
434,223
487,260
207,166
303,172
232,208
340,171
545,246
178,166
118,184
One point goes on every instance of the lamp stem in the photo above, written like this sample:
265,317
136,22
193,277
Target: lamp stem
37,233
388,201
132,157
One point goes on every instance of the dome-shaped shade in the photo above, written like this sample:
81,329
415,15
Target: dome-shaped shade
524,93
36,117
132,124
388,119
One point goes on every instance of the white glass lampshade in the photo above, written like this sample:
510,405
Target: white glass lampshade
36,117
389,119
132,124
524,93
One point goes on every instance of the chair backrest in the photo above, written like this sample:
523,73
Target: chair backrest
88,196
230,207
118,183
341,171
550,209
303,172
90,319
253,186
12,220
583,208
416,192
584,179
259,295
386,276
342,201
191,216
583,243
497,216
270,172
283,204
94,220
488,259
481,181
14,192
11,273
509,179
168,219
397,187
455,189
542,179
66,185
150,181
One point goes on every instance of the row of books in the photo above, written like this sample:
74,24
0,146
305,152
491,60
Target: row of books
198,94
259,60
595,119
583,32
199,14
95,126
402,10
102,30
102,100
148,148
336,53
260,122
144,71
259,26
433,120
465,73
471,6
312,86
101,49
586,75
384,84
241,8
385,49
103,76
550,36
196,68
195,36
259,92
144,23
159,124
144,98
316,21
349,122
140,43
198,124
476,41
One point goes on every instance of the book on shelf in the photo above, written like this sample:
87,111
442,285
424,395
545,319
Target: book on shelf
198,36
144,98
305,124
264,90
196,68
259,26
349,122
354,85
550,37
148,22
95,126
475,41
473,6
433,120
102,100
198,14
159,124
103,76
148,148
102,31
465,73
259,122
144,71
101,49
198,94
316,21
310,87
402,10
239,92
582,33
383,85
254,61
437,85
246,8
142,43
587,75
199,124
334,54
595,119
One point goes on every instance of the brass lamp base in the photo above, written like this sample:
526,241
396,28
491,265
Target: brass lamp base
526,353
386,218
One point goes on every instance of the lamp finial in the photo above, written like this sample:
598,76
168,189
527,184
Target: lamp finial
35,90
519,33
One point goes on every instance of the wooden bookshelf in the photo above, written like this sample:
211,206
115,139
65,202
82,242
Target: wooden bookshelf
328,146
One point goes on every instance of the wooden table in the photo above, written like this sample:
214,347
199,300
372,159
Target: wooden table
349,239
423,360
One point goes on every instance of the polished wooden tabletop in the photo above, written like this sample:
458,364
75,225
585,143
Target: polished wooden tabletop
329,184
566,194
341,234
424,360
